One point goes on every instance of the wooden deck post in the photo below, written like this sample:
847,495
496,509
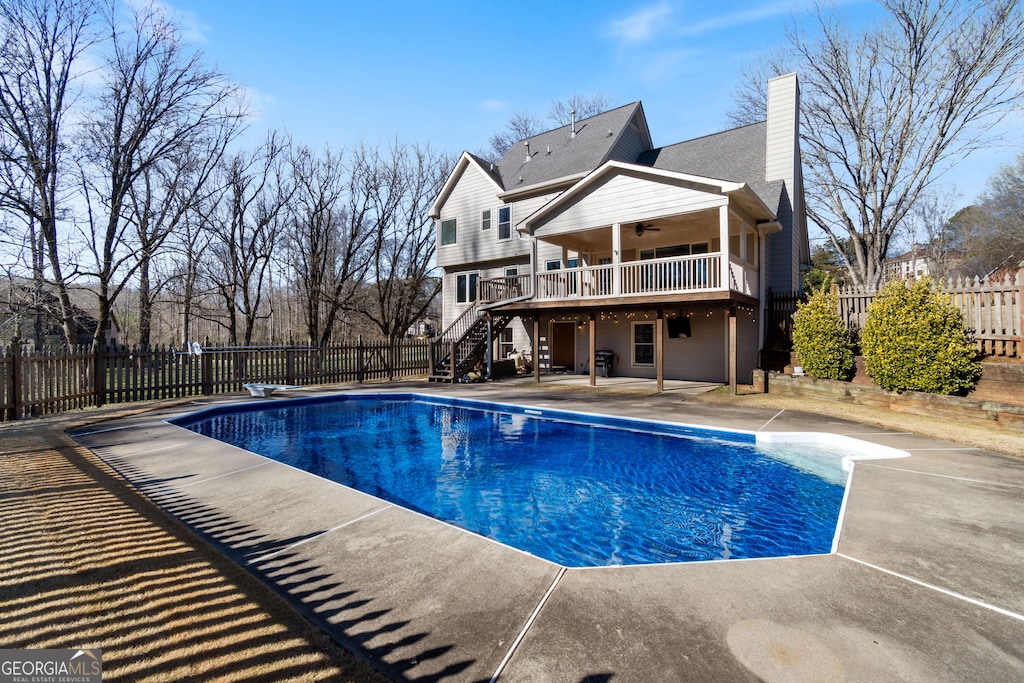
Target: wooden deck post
659,349
593,348
536,349
732,350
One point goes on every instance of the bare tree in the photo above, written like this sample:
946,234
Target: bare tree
403,283
187,250
524,124
43,41
328,236
885,112
562,112
246,224
927,230
750,97
521,125
158,204
990,234
158,101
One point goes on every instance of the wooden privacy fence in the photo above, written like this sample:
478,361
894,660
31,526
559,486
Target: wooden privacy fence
993,311
35,383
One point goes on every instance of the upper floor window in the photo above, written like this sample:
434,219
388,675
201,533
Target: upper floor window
505,223
448,231
485,219
552,265
511,272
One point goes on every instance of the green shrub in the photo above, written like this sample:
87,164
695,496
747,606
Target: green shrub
913,339
820,338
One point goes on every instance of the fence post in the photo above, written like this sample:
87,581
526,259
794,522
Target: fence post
99,380
289,365
1020,310
207,364
14,412
360,366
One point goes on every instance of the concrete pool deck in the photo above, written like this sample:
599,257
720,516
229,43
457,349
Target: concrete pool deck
927,583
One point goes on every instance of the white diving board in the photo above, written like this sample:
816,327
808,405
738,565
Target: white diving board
266,390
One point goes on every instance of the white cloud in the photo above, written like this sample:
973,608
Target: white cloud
641,26
494,105
740,18
192,29
258,102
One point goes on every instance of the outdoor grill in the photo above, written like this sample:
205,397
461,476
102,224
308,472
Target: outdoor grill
603,362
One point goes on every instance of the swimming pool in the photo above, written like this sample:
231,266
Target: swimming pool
578,490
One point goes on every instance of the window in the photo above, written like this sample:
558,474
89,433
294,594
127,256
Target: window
505,344
643,343
573,263
485,219
505,223
448,231
465,288
511,272
553,265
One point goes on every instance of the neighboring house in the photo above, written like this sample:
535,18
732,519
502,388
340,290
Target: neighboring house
913,264
18,318
587,238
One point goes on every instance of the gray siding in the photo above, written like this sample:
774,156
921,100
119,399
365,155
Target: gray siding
629,146
471,195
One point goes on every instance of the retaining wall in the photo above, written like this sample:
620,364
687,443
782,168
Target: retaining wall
997,414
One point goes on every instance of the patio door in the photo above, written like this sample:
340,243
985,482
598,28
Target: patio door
563,346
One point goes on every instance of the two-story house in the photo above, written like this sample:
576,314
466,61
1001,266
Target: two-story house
588,239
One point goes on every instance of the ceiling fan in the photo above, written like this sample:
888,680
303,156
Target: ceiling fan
640,229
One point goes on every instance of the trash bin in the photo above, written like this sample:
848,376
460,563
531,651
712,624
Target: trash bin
603,362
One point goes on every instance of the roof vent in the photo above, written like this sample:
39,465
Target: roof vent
609,132
573,115
527,143
549,149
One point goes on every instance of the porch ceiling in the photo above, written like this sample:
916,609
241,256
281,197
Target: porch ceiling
660,232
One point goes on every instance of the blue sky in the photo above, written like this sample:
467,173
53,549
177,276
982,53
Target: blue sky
451,74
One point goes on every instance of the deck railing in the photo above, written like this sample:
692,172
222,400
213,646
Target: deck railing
503,288
679,274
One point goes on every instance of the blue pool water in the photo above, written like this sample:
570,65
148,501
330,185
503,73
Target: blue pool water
576,490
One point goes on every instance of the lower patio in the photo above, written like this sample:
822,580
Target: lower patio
925,586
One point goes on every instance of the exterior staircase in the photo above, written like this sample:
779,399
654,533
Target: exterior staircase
466,339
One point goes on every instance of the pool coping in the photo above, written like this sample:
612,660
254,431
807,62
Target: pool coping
858,450
470,612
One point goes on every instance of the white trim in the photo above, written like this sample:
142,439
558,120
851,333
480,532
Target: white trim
460,166
632,344
614,167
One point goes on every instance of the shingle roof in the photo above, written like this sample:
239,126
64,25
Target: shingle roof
737,155
557,154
